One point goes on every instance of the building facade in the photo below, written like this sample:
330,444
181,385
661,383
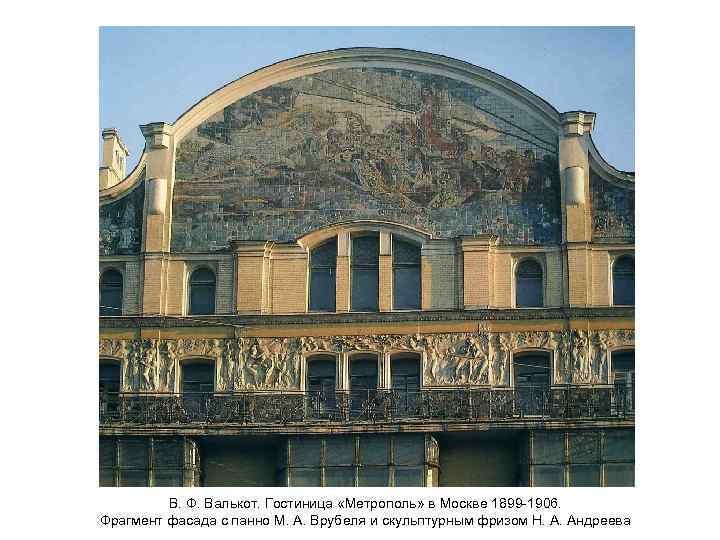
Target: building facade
367,267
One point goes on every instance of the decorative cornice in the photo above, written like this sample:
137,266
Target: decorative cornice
535,314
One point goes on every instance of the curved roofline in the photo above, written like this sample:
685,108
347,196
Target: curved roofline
607,171
397,58
125,186
308,64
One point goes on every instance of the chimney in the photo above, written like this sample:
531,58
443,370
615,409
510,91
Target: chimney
115,153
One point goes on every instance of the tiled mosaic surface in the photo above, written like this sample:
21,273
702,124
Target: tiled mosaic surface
372,143
613,211
121,223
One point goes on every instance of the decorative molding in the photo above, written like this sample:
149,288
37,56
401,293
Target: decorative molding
455,359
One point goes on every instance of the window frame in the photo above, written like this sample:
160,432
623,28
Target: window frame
543,281
104,270
396,265
614,260
353,266
549,353
188,287
311,267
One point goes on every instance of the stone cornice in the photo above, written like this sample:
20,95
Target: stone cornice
538,314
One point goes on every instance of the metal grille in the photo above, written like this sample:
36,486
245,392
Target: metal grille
369,405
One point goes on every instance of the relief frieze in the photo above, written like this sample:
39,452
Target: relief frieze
452,359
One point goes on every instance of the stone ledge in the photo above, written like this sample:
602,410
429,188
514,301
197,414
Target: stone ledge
385,317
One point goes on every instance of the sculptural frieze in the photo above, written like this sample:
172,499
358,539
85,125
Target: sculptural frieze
448,359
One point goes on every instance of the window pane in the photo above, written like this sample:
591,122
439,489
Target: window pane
373,476
532,369
322,289
340,476
529,284
409,449
323,261
405,252
305,452
406,275
202,300
109,377
585,447
305,477
365,289
133,478
168,477
365,250
340,450
133,453
619,445
548,447
168,454
107,452
548,476
620,474
624,282
409,477
374,450
324,255
111,293
107,477
365,261
202,292
198,378
623,366
406,287
585,475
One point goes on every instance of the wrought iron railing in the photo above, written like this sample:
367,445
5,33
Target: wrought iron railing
459,404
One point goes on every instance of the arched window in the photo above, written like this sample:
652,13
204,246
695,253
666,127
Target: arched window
202,292
323,262
405,382
532,377
624,281
111,292
406,275
623,378
197,377
365,273
532,369
197,384
109,386
529,284
321,383
363,382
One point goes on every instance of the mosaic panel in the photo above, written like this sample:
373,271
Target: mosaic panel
366,143
613,210
121,223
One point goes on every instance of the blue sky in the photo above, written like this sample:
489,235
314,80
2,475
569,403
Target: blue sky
154,74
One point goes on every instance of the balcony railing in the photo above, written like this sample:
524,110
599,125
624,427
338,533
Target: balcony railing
460,404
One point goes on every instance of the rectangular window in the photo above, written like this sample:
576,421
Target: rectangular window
365,273
148,461
323,263
406,275
356,460
583,458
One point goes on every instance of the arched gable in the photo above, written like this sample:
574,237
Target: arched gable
398,136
